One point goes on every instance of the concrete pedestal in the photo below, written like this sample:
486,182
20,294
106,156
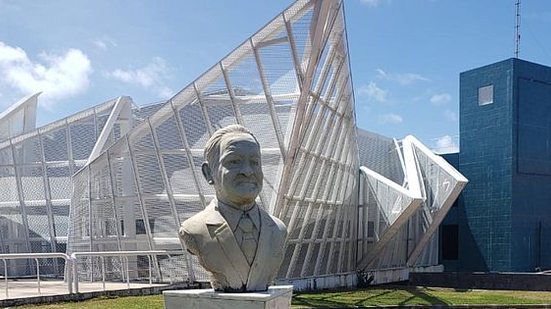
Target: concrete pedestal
277,297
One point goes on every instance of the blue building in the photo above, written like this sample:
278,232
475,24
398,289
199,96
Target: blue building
502,220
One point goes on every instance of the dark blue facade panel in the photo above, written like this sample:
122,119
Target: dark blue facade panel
531,205
486,160
504,214
531,232
534,127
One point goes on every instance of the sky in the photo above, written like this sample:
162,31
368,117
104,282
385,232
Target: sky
406,55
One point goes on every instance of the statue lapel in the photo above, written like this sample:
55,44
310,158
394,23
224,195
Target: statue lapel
229,245
263,252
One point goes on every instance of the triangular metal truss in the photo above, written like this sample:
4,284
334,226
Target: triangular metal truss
404,217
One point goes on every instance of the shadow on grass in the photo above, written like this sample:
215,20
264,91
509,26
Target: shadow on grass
308,299
360,302
339,299
420,294
462,290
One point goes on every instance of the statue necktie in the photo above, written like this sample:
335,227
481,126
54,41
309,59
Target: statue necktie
248,244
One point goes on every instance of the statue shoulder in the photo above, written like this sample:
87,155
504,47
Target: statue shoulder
279,225
195,224
192,231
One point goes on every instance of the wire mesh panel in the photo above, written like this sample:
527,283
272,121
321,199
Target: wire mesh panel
83,137
36,186
79,228
379,154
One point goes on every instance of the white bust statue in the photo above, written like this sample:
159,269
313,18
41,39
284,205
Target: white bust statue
238,242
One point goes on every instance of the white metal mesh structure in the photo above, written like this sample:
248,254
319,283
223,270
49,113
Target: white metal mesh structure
19,118
290,85
398,221
36,185
136,171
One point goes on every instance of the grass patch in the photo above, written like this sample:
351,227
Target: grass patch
406,295
375,296
127,302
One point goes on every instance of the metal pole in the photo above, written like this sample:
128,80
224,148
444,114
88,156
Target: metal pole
102,272
69,275
6,276
38,274
75,274
127,273
149,266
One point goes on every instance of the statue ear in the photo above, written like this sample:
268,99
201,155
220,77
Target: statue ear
207,173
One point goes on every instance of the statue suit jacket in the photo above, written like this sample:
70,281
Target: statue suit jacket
208,236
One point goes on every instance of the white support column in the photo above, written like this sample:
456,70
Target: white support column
19,185
114,202
70,158
90,217
47,196
269,99
107,128
236,109
203,109
166,180
145,215
189,155
294,54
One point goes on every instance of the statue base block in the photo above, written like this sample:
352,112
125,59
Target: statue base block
276,297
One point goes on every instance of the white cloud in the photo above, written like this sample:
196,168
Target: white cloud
57,76
152,77
390,119
450,115
446,144
372,3
440,99
373,92
104,43
401,78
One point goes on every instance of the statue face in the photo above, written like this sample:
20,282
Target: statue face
238,176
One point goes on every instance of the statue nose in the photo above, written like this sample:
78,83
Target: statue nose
246,169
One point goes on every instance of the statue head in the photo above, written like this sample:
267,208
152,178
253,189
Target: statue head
233,166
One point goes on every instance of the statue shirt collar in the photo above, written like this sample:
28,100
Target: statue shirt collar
233,215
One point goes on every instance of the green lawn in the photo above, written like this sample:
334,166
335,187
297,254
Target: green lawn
131,302
403,295
387,295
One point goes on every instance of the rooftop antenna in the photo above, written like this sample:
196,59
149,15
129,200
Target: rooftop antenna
517,29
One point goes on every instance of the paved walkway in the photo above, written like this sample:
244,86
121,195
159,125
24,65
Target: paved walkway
26,291
29,288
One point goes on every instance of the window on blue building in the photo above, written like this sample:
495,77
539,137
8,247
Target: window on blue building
486,95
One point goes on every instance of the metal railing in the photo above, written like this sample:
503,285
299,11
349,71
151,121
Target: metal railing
122,254
36,257
71,266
